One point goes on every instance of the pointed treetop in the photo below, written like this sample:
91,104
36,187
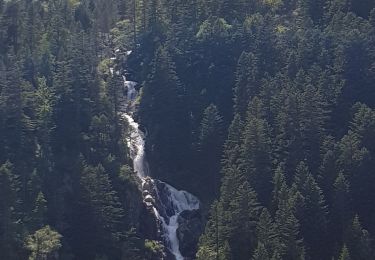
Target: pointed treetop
344,253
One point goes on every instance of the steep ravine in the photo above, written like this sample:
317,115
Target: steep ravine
170,206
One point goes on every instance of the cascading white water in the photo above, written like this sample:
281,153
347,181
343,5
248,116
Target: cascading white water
136,145
168,203
174,203
130,86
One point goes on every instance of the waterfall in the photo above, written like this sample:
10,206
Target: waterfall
166,202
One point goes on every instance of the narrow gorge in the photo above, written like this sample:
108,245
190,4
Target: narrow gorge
169,206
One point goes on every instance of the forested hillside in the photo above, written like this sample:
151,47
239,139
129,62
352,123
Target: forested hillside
264,109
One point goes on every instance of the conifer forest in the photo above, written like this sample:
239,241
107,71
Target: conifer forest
187,129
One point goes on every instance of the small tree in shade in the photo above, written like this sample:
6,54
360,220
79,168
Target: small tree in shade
287,226
358,241
38,214
9,214
345,254
312,212
261,253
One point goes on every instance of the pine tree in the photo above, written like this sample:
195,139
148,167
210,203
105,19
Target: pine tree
341,207
8,211
278,183
183,22
266,236
11,107
114,93
210,145
212,243
211,129
363,126
328,173
313,116
352,154
66,128
337,7
101,210
287,226
84,86
256,152
233,219
289,148
358,241
97,189
312,214
56,32
345,254
247,82
261,253
232,146
163,112
354,161
45,100
241,212
39,213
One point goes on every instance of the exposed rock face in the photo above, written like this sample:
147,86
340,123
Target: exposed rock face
149,225
188,233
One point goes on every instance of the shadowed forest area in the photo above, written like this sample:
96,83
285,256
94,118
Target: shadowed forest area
263,109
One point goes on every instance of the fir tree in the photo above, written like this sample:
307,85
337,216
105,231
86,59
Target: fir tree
247,82
358,241
345,254
341,211
279,182
101,210
267,237
39,213
210,144
8,212
287,226
312,213
256,152
164,114
232,146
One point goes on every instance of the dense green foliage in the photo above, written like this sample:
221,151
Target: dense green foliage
263,108
67,191
279,103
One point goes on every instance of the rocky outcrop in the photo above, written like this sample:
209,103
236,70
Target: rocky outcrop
149,226
188,233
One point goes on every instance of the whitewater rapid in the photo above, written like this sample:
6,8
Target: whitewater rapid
166,202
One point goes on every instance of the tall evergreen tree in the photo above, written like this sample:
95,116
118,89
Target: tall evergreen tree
8,212
39,213
164,114
279,183
100,209
345,254
232,146
11,107
267,238
256,152
312,214
287,226
359,241
210,145
247,81
341,205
